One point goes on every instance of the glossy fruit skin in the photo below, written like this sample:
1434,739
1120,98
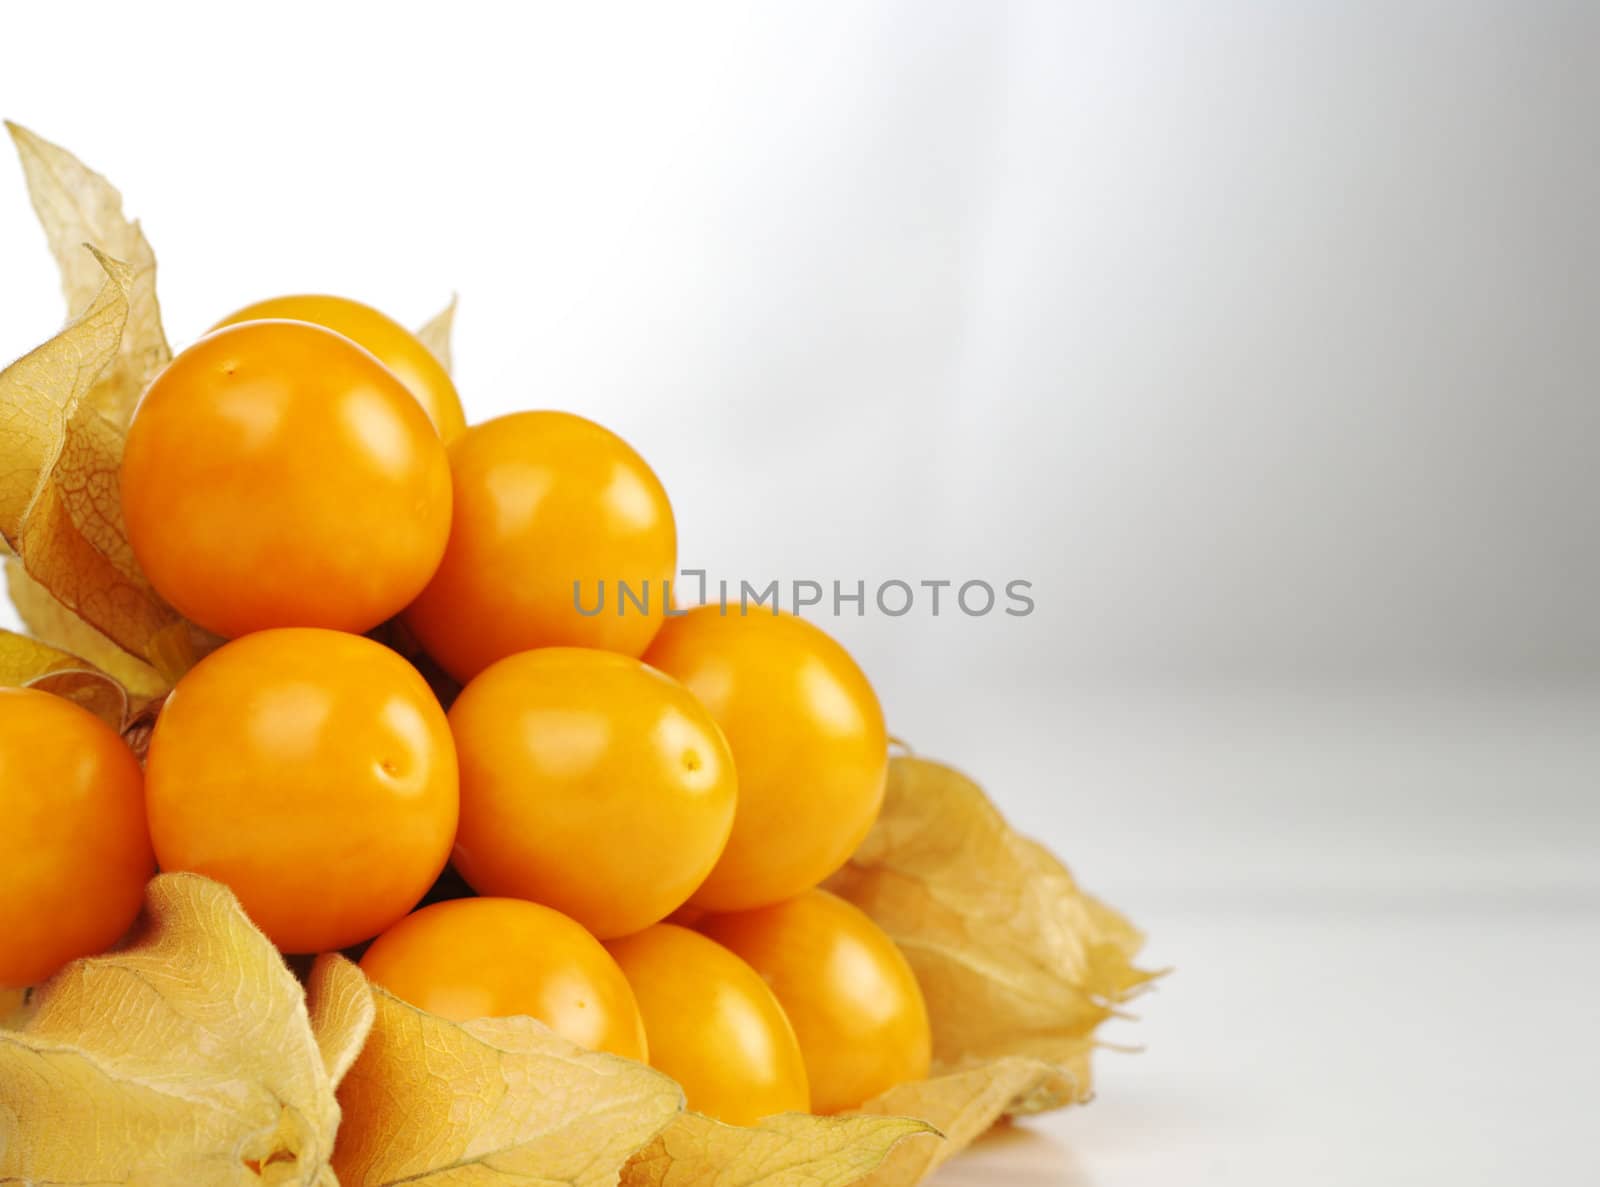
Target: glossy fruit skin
808,739
311,771
543,500
714,1026
396,347
498,957
590,783
277,475
74,851
853,1000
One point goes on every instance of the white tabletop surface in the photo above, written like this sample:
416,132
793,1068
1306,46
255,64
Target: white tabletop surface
1391,1000
1315,1044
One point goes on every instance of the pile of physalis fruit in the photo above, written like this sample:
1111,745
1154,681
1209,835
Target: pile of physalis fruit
459,884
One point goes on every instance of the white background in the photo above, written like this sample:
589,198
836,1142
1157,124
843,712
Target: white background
1260,337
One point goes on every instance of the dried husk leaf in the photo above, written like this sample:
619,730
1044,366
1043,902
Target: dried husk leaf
29,663
435,335
42,390
342,1012
498,1100
185,1057
1018,966
963,1105
141,725
1012,958
789,1150
60,510
51,622
76,206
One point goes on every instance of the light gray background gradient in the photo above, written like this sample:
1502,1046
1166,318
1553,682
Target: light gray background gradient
1261,337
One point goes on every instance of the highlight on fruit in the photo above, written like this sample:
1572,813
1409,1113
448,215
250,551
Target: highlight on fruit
340,847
